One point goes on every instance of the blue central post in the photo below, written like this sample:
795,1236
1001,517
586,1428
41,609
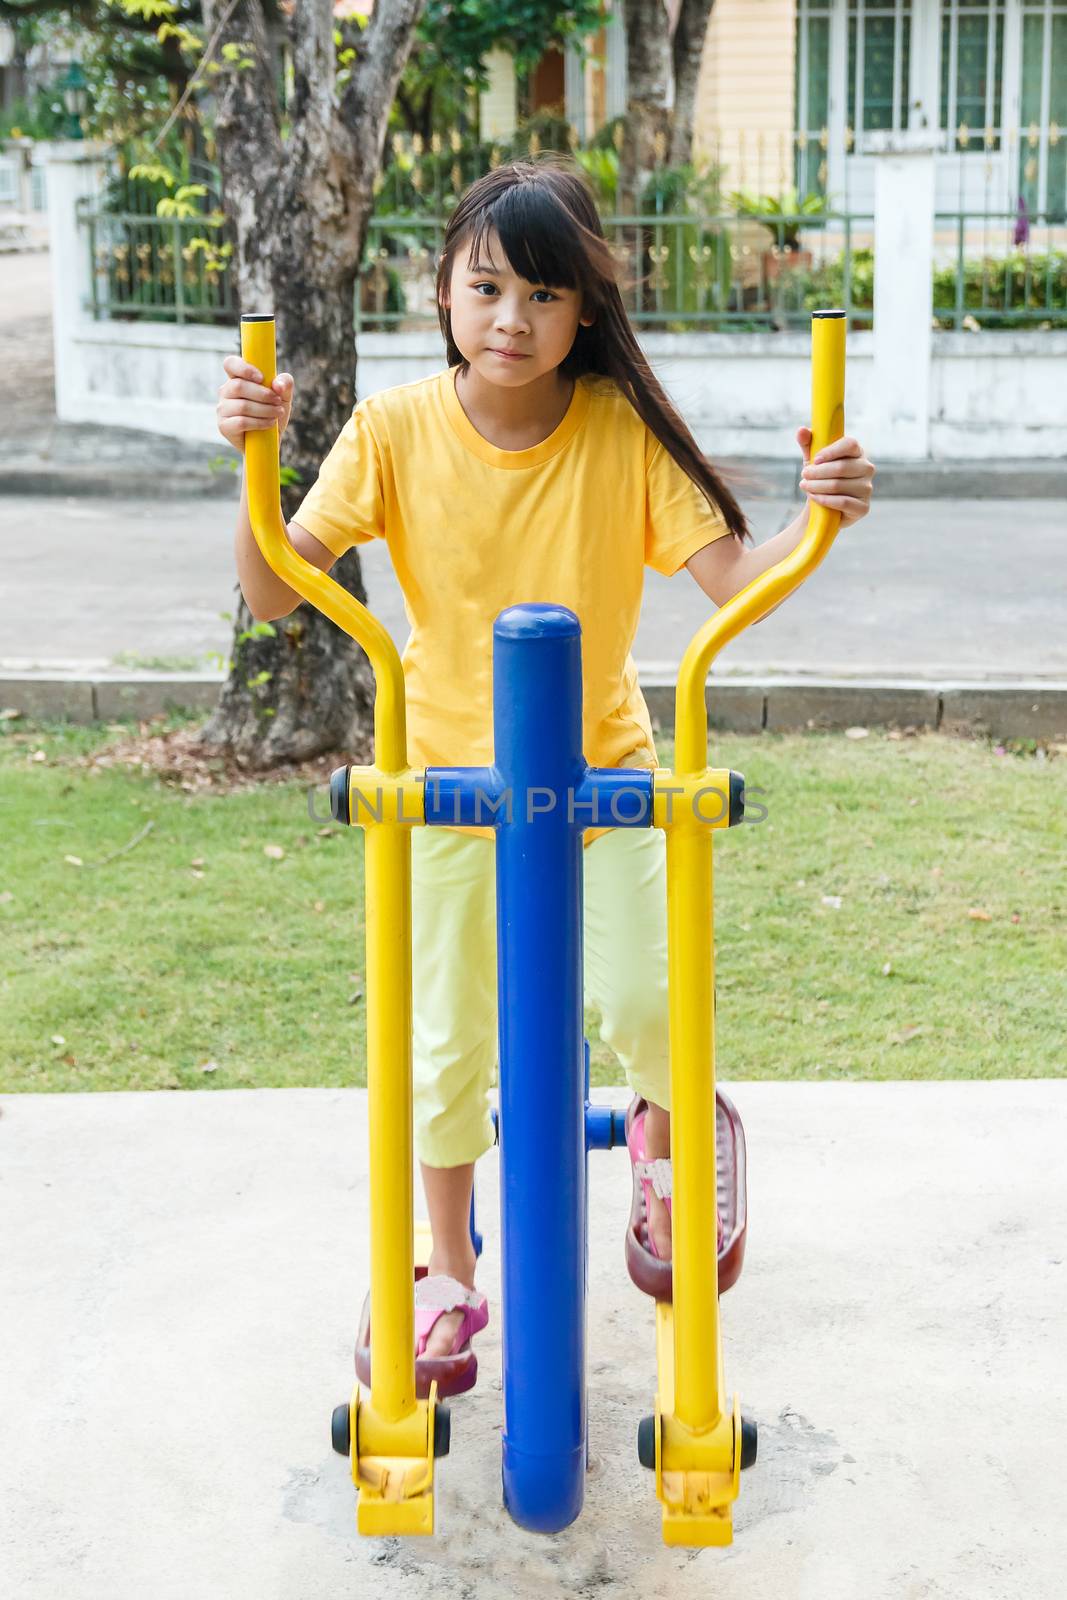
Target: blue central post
537,712
540,796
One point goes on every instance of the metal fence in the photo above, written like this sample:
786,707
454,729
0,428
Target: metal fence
999,271
677,272
157,269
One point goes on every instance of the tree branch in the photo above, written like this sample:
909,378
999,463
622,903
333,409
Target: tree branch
314,70
246,120
370,91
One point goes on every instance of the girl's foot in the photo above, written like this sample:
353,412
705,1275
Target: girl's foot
658,1143
444,1330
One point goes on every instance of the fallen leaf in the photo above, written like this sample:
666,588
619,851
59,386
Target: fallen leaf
887,970
57,1038
937,872
196,873
976,914
75,861
320,905
833,901
9,714
69,1061
857,733
906,1034
197,861
275,852
1015,917
209,1066
355,997
327,833
38,755
894,733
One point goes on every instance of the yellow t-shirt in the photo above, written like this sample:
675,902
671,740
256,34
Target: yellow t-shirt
472,529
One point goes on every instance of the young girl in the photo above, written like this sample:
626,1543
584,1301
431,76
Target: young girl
545,463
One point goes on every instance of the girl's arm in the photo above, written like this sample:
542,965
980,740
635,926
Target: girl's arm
840,477
266,595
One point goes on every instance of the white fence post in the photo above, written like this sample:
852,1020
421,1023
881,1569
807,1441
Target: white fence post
903,294
73,168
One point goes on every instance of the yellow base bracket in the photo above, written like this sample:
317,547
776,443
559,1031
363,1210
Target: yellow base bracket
698,1475
392,1467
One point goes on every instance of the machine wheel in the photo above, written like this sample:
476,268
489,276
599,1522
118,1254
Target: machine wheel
646,1442
749,1443
442,1431
341,1430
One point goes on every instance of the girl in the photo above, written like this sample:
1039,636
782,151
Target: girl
544,463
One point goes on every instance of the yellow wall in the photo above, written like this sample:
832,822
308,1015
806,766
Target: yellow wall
744,113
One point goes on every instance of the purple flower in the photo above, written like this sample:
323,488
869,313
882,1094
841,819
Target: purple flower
1022,224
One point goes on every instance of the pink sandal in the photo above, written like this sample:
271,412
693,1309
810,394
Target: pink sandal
655,1175
453,1373
438,1295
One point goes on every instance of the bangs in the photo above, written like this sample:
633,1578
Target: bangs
540,238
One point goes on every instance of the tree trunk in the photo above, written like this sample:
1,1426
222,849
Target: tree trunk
648,69
299,208
687,50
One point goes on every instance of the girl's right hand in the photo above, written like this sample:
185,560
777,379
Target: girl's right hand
246,403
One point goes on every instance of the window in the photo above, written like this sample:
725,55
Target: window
1043,108
879,52
812,57
972,55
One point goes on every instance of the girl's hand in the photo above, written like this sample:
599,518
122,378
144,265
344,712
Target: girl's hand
840,477
246,403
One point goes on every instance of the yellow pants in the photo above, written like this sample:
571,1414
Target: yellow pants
453,895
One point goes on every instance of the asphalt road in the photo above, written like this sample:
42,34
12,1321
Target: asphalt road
940,588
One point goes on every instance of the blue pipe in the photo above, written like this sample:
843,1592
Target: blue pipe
540,796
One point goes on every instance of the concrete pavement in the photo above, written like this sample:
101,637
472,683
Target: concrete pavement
182,1276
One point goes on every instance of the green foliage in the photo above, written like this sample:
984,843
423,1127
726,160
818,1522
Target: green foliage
459,34
687,188
824,285
773,210
601,167
1005,292
43,117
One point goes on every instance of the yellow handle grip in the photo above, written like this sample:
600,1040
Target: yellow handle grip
263,474
764,592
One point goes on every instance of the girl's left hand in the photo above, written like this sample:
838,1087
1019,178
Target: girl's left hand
840,477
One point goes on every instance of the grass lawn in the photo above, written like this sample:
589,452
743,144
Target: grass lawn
901,913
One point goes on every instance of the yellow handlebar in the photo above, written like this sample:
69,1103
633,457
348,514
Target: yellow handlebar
264,513
764,592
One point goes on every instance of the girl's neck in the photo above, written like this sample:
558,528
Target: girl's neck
514,419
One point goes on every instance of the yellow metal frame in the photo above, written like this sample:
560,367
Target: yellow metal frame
698,1430
391,1431
698,1433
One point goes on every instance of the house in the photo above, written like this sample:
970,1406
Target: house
791,91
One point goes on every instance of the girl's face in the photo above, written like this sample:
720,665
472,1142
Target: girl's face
493,311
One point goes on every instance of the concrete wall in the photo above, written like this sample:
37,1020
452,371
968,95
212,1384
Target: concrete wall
742,394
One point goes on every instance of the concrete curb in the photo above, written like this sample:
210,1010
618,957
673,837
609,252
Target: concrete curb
126,465
1002,709
74,482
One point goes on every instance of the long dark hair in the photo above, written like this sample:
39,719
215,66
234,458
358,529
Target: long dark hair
544,213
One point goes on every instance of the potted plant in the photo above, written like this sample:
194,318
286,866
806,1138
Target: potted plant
783,216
